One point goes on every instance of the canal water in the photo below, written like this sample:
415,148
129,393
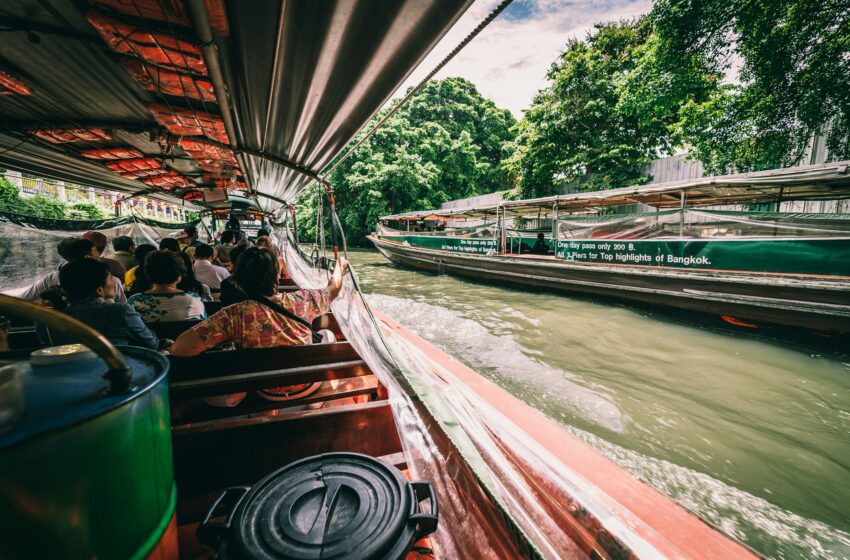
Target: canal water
752,435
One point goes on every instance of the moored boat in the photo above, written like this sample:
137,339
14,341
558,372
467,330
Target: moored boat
691,246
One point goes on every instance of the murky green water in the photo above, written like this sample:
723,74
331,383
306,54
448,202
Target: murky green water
752,435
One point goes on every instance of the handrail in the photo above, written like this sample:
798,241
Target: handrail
118,375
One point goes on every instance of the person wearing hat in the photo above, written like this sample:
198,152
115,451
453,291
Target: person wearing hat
116,269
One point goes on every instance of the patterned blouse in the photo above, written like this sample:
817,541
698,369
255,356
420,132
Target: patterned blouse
248,324
155,308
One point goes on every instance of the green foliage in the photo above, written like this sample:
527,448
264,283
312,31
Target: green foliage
795,77
446,143
611,107
86,211
43,207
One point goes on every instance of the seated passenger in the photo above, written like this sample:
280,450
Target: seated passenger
135,280
89,287
205,271
265,242
71,249
222,250
165,301
169,244
230,291
190,283
540,246
115,268
258,322
124,248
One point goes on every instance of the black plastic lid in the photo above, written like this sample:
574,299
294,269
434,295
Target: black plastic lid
335,506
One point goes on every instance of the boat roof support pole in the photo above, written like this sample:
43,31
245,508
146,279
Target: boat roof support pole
201,21
682,216
503,226
555,226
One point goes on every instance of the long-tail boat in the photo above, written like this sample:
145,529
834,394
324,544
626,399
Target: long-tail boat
716,245
115,454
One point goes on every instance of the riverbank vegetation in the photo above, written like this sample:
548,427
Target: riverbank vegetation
741,86
12,202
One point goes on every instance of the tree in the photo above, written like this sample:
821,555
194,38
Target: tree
86,211
611,107
446,143
794,78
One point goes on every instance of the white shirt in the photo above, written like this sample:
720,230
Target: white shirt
51,280
210,274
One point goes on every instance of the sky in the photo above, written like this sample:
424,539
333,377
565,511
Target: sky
508,61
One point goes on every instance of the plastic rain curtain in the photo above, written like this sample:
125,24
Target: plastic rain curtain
28,245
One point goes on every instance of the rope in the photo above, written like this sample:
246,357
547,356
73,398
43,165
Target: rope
484,23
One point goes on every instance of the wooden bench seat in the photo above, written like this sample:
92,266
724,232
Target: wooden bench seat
191,412
224,372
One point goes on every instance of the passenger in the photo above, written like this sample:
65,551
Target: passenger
190,283
165,301
205,270
124,247
169,244
226,243
71,249
258,321
265,242
192,234
230,291
89,287
233,224
136,281
263,232
540,246
115,268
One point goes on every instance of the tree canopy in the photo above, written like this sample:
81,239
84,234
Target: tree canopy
794,58
612,105
446,143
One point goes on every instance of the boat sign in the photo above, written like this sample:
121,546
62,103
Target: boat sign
829,256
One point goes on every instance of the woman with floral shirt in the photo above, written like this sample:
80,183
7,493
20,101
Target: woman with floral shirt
165,301
251,324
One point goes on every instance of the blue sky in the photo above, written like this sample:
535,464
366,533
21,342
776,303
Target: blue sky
509,59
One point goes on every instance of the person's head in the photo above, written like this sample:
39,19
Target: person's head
191,232
75,248
265,242
164,268
539,237
86,278
169,244
257,272
124,243
204,252
142,251
235,253
228,237
189,283
263,232
98,239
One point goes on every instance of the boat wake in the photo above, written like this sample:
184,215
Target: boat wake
491,350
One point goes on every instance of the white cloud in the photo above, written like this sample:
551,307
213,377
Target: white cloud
509,59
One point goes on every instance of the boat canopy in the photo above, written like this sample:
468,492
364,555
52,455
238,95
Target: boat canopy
829,181
166,98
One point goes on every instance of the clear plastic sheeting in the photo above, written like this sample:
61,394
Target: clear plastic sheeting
28,252
501,493
704,224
